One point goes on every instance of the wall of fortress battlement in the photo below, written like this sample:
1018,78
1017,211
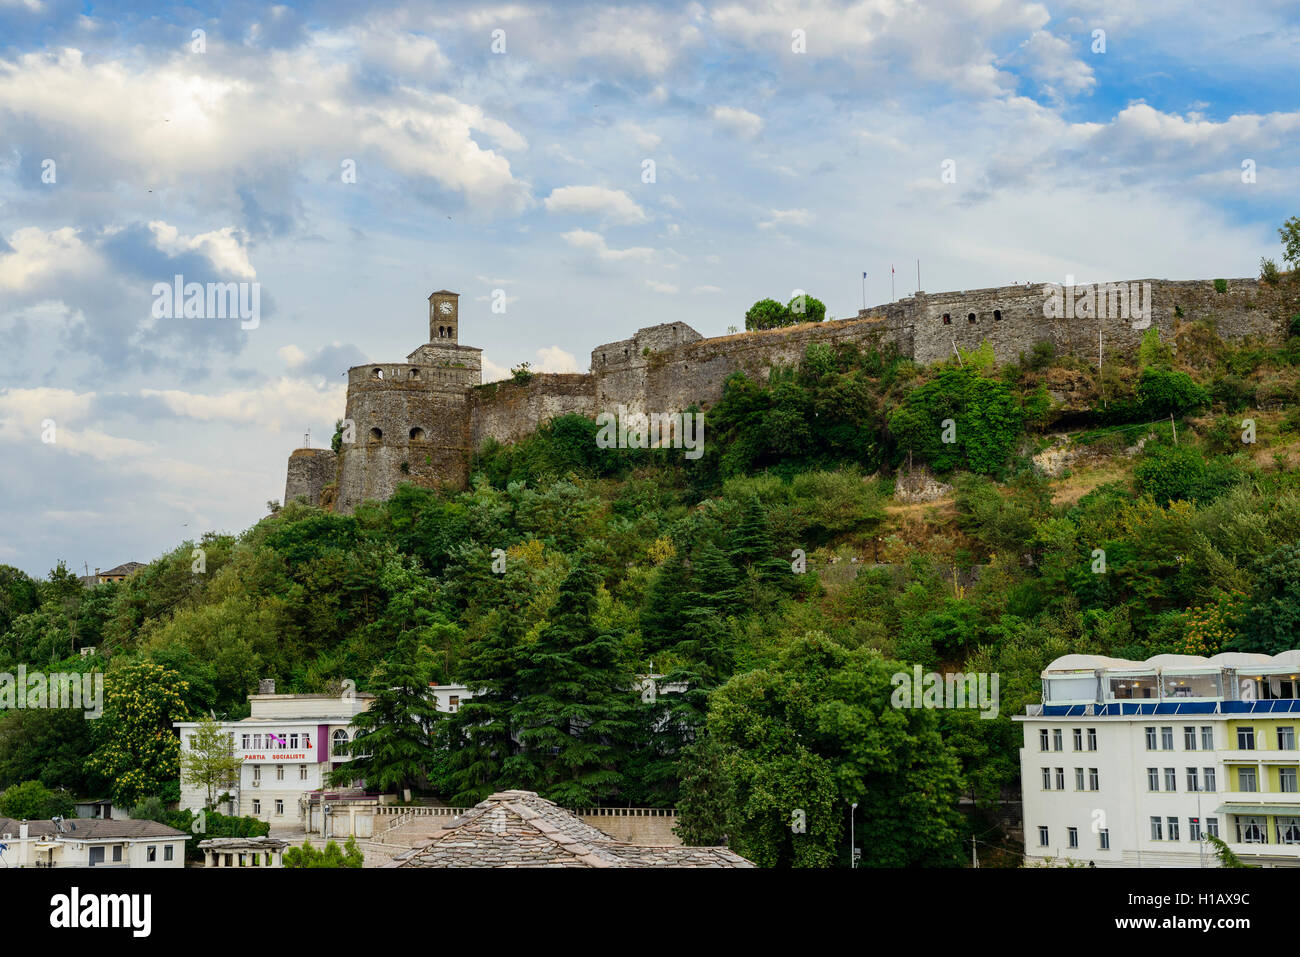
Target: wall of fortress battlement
671,367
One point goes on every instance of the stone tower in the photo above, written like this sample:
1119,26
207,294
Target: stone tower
410,420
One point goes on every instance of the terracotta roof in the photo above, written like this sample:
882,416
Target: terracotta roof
520,829
92,829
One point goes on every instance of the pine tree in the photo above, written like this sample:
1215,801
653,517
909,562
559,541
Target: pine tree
394,744
575,713
662,610
753,553
479,734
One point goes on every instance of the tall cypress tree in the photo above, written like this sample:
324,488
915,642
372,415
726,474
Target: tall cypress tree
661,613
575,712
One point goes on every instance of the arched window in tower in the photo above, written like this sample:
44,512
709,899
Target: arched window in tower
451,332
970,317
417,434
947,319
378,373
415,373
376,435
997,315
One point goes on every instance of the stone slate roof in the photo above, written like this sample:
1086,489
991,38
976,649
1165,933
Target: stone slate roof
92,829
520,829
126,568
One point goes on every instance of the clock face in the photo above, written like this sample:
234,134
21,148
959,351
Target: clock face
445,308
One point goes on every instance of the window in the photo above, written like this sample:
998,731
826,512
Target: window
1251,829
1042,836
1047,779
1193,828
257,742
377,373
1042,739
1092,739
1151,739
1286,739
1171,779
169,852
1207,738
1212,826
279,806
1189,738
417,434
1155,829
1153,779
1288,776
302,772
293,741
1103,839
243,741
1094,780
997,315
1058,743
340,738
1078,779
1072,836
1193,784
1209,779
1060,779
1078,739
970,317
279,772
117,853
1288,830
453,702
376,434
1167,739
1173,828
947,319
1245,739
151,853
257,806
257,772
1246,779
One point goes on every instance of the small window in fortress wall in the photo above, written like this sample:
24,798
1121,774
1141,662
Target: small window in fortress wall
415,373
947,319
997,315
376,435
970,317
417,434
379,373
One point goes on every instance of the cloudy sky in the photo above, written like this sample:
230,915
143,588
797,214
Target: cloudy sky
510,147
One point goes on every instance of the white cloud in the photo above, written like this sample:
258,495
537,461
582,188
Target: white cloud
292,355
706,289
737,121
1052,62
224,248
555,359
783,217
595,243
612,205
39,255
663,287
280,404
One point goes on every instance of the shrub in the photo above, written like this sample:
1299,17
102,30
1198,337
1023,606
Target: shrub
1164,392
1220,285
1268,271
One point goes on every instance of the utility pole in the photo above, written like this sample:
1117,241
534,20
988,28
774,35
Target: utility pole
974,858
1173,426
853,842
918,275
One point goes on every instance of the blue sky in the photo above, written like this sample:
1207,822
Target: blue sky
522,170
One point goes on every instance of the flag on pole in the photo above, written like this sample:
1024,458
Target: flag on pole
864,275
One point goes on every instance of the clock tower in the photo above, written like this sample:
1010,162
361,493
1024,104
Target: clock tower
444,316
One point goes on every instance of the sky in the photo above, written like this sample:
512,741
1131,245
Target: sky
596,168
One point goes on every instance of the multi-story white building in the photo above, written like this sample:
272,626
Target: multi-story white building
288,745
94,842
1129,763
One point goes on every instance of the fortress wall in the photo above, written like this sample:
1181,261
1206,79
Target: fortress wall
507,411
310,470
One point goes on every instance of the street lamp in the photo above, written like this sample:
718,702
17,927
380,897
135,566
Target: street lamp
853,843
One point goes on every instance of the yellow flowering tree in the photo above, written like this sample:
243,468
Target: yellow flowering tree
137,749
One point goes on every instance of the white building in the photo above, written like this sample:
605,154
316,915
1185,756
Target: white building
91,842
1129,763
288,745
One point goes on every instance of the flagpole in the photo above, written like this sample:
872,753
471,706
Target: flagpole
864,292
891,284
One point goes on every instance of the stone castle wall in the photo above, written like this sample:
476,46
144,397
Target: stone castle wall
670,367
310,470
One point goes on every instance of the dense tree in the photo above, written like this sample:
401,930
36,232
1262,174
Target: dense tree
32,800
137,750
